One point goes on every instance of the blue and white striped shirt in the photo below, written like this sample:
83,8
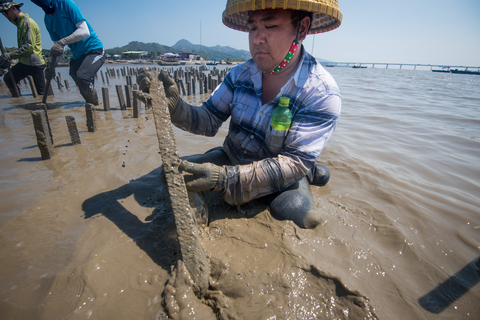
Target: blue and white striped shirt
260,165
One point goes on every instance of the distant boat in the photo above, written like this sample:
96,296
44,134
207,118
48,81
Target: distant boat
444,69
168,62
359,67
465,71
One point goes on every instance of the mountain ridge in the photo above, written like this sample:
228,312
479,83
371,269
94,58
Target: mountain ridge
209,53
183,45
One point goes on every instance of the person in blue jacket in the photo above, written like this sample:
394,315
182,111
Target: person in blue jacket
67,26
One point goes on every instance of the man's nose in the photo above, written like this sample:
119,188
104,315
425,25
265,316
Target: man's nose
259,36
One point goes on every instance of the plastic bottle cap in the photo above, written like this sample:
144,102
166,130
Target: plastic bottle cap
284,101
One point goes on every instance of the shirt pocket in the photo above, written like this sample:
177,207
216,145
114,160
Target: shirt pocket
275,139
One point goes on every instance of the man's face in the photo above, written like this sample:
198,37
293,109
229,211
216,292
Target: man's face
10,14
271,34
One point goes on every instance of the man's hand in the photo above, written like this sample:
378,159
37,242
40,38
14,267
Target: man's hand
5,57
204,176
171,90
143,79
57,49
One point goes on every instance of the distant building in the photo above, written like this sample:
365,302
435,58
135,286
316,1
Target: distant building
135,54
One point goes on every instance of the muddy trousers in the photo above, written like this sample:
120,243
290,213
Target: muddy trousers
295,203
83,71
20,71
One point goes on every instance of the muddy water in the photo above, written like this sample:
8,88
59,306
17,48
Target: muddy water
89,234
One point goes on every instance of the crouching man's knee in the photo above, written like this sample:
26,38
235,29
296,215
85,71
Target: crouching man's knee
296,204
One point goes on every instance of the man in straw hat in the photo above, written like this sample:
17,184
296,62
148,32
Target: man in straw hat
29,52
67,26
257,161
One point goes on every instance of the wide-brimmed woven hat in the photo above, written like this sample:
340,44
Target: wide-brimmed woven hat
5,5
326,13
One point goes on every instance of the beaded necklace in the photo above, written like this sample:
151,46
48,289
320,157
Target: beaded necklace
287,59
290,53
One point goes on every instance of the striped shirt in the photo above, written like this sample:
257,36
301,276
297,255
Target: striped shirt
264,160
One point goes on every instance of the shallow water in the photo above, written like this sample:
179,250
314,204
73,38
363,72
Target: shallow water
88,234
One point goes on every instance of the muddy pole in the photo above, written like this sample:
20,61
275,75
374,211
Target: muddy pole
32,86
91,117
43,106
95,97
103,79
193,85
72,130
136,105
43,137
59,84
49,90
128,95
192,253
2,117
48,85
106,99
121,99
67,86
106,76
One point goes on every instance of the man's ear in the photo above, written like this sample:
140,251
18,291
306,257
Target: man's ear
304,25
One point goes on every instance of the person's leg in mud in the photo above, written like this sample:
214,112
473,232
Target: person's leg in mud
83,71
38,78
296,203
19,73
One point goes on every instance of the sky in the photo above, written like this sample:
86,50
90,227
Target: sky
438,32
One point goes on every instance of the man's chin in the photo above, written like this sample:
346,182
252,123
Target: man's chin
262,65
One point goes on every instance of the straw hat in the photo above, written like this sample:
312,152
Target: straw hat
326,13
5,5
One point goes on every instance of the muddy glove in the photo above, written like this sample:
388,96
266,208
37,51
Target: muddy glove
143,79
171,90
57,49
5,61
5,58
204,176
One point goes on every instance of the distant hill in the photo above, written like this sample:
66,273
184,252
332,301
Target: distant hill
183,45
210,53
140,46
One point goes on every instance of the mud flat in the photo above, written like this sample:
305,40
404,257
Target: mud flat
89,234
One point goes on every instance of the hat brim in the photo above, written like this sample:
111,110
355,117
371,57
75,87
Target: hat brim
325,18
8,5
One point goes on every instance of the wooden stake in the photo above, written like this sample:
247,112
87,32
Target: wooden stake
192,252
72,129
43,137
32,86
91,117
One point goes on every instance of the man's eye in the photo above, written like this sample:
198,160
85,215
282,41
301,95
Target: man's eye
252,28
270,27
